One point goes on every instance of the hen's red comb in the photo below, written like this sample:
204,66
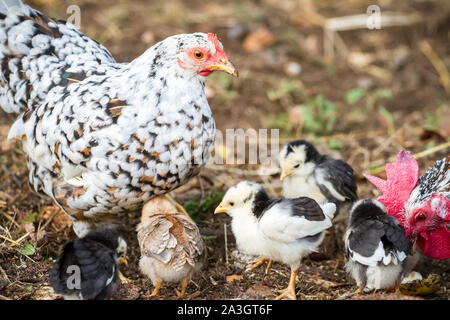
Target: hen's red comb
213,38
402,177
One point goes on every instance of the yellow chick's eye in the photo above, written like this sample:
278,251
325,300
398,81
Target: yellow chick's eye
198,54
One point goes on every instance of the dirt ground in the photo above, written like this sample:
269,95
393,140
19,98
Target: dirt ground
403,104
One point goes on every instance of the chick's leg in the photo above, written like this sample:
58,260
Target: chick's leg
359,290
184,284
289,292
257,263
158,286
269,266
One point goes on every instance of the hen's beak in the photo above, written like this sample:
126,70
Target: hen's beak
224,65
285,174
220,209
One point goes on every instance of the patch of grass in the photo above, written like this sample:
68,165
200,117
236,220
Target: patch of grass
29,218
387,116
335,144
354,95
318,114
197,209
277,121
286,89
431,122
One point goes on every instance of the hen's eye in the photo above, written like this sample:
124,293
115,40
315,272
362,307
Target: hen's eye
198,54
297,166
231,204
421,216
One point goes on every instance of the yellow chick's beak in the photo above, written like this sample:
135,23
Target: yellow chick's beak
285,174
220,209
224,65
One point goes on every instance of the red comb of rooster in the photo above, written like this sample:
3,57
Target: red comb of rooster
402,177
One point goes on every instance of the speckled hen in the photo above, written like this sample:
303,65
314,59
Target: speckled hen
103,137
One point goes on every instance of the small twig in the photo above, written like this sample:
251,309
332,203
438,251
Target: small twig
437,63
49,220
336,266
23,237
202,188
419,155
4,298
4,274
10,240
11,219
226,242
234,170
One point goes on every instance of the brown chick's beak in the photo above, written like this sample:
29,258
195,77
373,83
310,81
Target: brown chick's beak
224,65
220,209
285,174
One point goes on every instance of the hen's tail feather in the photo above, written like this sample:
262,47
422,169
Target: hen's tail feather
38,53
11,6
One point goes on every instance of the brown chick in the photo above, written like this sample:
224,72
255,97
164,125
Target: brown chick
171,246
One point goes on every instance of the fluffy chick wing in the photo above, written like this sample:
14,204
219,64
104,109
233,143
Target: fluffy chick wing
98,268
171,239
336,180
377,241
293,219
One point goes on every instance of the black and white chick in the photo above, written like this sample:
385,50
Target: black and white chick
376,246
307,173
283,230
87,269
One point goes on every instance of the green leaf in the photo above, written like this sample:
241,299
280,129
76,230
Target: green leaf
29,218
207,238
389,119
383,93
353,95
432,122
211,201
430,145
29,288
195,209
28,250
192,207
335,144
